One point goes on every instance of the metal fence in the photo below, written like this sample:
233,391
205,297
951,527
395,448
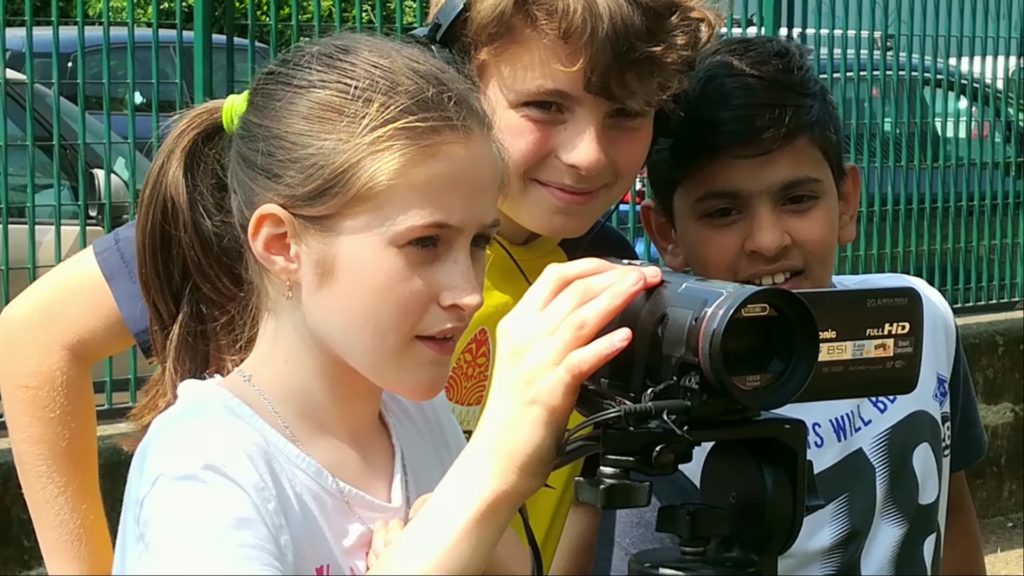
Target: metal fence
929,89
930,93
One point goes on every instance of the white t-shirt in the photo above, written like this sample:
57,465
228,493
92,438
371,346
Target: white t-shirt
214,489
881,464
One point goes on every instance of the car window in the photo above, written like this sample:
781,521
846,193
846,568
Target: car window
971,128
885,117
142,96
14,59
102,148
27,169
234,74
42,68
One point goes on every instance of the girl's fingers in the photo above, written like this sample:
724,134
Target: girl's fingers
584,321
555,277
584,291
579,364
418,504
394,529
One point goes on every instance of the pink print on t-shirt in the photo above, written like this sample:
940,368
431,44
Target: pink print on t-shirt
325,570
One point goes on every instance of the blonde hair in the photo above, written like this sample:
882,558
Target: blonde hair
634,52
326,124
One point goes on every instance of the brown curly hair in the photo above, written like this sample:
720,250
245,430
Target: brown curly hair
635,52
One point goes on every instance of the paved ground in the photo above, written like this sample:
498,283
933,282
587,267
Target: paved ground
1004,544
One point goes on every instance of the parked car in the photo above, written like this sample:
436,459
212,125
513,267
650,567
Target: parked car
61,188
160,67
915,112
941,152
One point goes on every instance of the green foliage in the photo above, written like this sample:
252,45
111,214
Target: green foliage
275,22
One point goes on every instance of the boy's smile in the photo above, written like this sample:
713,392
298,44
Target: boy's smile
572,154
769,219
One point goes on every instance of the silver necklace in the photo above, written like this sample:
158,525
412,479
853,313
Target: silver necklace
247,378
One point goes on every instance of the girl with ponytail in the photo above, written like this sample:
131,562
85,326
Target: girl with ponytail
320,242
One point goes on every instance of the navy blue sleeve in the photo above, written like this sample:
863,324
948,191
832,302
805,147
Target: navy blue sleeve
969,443
115,254
602,241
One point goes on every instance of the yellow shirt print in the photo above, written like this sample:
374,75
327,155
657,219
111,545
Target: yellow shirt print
504,285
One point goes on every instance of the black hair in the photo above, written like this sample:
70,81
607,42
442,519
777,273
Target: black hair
746,97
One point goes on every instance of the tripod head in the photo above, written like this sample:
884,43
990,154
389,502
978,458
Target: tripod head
755,476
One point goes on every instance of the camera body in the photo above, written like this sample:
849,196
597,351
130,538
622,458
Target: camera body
708,363
734,350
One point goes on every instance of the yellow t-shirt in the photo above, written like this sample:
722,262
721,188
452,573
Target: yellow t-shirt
510,271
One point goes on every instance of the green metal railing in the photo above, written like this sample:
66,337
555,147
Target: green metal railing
929,94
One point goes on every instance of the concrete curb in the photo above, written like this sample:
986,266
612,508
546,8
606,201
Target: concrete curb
19,549
994,345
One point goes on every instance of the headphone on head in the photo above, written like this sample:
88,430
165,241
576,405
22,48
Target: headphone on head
443,36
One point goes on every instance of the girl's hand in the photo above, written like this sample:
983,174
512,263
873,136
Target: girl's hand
545,348
385,533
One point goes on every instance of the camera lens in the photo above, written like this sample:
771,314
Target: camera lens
756,350
765,351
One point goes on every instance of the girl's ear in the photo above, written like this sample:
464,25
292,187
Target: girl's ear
273,239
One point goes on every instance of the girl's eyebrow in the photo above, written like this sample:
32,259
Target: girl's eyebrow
445,225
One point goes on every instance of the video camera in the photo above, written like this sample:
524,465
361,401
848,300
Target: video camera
708,362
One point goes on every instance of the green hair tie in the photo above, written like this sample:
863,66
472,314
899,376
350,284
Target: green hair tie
232,111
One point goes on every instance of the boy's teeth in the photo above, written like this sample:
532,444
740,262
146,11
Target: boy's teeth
772,279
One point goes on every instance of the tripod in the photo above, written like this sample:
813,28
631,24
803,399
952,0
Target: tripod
754,487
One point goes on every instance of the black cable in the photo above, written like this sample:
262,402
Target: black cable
575,451
526,277
576,445
597,228
538,560
593,420
631,412
650,410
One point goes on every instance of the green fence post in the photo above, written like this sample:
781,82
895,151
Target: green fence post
771,16
5,235
399,18
203,51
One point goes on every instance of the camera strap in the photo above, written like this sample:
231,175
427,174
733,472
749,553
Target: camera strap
515,262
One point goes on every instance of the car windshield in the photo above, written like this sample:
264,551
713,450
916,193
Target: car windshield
123,159
909,118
